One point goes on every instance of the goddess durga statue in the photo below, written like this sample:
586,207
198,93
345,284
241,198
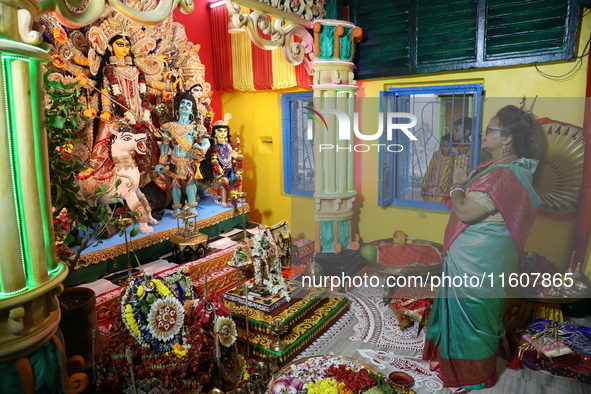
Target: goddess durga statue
129,69
123,91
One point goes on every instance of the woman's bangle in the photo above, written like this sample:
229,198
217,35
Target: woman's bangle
456,188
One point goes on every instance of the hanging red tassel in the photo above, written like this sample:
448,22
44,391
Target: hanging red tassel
515,362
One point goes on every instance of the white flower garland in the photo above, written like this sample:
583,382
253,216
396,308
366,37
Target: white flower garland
130,118
166,318
225,328
142,88
116,89
273,280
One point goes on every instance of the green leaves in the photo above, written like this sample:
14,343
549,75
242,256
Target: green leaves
134,231
56,121
65,124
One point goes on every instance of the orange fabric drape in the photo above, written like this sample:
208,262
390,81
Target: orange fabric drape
222,49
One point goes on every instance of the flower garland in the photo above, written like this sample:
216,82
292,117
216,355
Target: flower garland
226,329
186,368
264,249
118,94
330,375
152,314
61,226
218,173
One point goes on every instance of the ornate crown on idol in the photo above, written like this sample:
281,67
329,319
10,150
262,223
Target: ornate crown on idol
116,24
223,123
191,69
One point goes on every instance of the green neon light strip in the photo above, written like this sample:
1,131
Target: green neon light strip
16,175
53,271
4,65
39,169
14,292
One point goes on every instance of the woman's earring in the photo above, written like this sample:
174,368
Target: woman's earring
177,113
110,48
191,117
504,150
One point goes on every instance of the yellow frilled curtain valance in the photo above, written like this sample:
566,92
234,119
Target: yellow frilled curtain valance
240,65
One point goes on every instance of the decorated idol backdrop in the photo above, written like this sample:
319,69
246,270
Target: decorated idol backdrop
143,80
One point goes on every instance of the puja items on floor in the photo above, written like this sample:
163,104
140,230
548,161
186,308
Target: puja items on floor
539,277
336,375
412,304
561,349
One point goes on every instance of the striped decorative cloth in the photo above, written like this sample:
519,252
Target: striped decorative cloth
240,65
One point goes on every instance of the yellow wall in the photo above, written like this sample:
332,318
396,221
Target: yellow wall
259,115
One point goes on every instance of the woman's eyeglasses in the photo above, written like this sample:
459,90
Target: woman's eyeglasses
489,129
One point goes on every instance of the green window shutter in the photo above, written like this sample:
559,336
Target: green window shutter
424,36
385,49
449,38
520,28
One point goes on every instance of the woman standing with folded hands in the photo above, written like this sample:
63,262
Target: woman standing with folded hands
493,209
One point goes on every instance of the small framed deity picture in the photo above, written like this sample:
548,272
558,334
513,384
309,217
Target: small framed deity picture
282,238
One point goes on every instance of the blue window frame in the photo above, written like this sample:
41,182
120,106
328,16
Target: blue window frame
298,151
418,173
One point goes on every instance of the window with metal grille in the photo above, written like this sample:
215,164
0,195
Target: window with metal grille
418,173
424,36
298,151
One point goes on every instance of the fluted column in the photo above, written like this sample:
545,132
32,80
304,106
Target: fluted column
31,276
334,153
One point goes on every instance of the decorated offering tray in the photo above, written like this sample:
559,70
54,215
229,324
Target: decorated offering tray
428,257
304,318
263,301
328,374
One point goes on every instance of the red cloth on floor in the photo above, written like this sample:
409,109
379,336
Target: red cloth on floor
412,304
408,254
409,310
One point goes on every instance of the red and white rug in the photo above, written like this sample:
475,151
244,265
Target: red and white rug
377,324
425,379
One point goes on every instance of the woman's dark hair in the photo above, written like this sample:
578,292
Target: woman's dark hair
177,102
528,136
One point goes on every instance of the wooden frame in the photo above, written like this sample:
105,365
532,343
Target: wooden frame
282,238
